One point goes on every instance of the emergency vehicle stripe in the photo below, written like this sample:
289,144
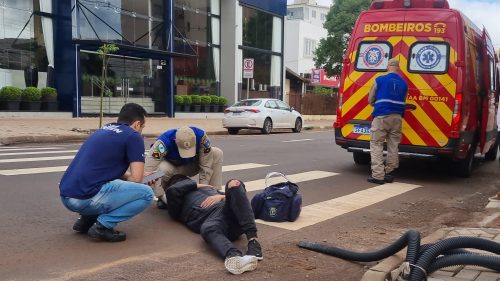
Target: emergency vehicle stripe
411,135
357,96
423,124
351,79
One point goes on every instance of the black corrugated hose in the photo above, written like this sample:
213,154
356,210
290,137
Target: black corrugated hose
423,259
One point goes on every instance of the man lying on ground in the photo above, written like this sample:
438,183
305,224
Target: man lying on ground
219,218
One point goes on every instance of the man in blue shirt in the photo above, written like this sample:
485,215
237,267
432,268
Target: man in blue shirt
388,98
103,183
184,151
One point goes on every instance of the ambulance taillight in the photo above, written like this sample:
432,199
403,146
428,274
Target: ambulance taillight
336,124
455,130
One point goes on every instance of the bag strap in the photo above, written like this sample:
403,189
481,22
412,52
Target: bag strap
275,174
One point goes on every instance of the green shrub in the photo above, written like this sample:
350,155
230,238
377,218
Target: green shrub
179,100
222,101
196,99
10,93
214,99
31,94
322,90
49,94
205,100
187,99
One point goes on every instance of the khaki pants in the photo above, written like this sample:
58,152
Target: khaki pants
207,165
388,129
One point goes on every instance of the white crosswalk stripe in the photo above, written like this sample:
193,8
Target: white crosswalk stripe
322,211
35,159
38,152
28,171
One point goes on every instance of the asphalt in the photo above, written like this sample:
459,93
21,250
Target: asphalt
61,127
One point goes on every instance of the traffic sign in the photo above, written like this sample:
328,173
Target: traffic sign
247,68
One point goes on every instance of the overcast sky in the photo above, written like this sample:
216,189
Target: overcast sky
481,12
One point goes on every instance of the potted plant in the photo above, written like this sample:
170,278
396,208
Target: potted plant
222,103
187,103
49,99
179,103
205,103
10,98
30,99
214,103
196,104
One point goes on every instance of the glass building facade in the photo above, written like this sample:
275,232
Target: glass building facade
165,48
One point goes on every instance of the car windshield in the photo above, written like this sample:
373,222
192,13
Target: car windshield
248,103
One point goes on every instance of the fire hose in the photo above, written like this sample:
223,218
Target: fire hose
422,260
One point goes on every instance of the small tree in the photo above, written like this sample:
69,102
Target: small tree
103,52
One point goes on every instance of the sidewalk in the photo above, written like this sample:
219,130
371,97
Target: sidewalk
34,128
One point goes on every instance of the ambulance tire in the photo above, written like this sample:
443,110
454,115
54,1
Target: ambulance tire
463,168
361,158
492,153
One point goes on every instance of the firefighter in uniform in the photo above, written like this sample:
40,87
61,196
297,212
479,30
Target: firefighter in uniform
185,151
387,96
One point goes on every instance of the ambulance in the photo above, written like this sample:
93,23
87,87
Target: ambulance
449,65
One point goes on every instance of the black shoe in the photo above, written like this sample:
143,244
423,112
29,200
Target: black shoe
254,249
388,178
83,223
374,180
100,232
161,205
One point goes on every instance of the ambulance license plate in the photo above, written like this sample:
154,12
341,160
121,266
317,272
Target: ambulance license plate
362,130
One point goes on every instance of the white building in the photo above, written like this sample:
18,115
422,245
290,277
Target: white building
303,31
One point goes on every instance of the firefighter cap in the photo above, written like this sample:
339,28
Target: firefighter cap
186,142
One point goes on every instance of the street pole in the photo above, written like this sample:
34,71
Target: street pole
248,86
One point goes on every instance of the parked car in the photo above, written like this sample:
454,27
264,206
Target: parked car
263,114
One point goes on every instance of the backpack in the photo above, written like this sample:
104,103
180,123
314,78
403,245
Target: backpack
279,202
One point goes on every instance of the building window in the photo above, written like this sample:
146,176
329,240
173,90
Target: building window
313,14
323,17
309,47
257,29
26,43
197,32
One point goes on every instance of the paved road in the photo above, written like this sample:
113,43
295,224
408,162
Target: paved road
339,206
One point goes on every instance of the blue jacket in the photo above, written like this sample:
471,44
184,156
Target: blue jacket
390,96
172,152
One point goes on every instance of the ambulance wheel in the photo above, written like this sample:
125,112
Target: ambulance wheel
361,158
463,167
492,153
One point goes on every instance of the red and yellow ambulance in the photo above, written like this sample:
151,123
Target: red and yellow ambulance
449,65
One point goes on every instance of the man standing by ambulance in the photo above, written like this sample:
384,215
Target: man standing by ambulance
387,96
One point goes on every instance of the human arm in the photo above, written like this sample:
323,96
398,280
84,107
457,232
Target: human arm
206,160
136,172
372,93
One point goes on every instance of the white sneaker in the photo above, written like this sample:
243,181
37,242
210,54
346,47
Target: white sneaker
240,264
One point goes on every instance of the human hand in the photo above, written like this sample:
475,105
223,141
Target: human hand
152,181
211,200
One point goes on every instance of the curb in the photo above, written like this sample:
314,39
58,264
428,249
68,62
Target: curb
72,138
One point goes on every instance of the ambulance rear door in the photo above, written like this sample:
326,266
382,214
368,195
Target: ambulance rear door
427,62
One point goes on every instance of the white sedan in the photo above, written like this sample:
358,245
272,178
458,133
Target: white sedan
263,114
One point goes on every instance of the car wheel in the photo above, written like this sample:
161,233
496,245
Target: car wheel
233,131
268,126
298,126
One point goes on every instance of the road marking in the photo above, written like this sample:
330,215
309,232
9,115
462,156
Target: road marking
37,152
15,172
27,148
28,171
35,159
229,168
298,140
300,177
316,213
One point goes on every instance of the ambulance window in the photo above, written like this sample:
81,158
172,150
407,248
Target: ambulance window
373,56
429,57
